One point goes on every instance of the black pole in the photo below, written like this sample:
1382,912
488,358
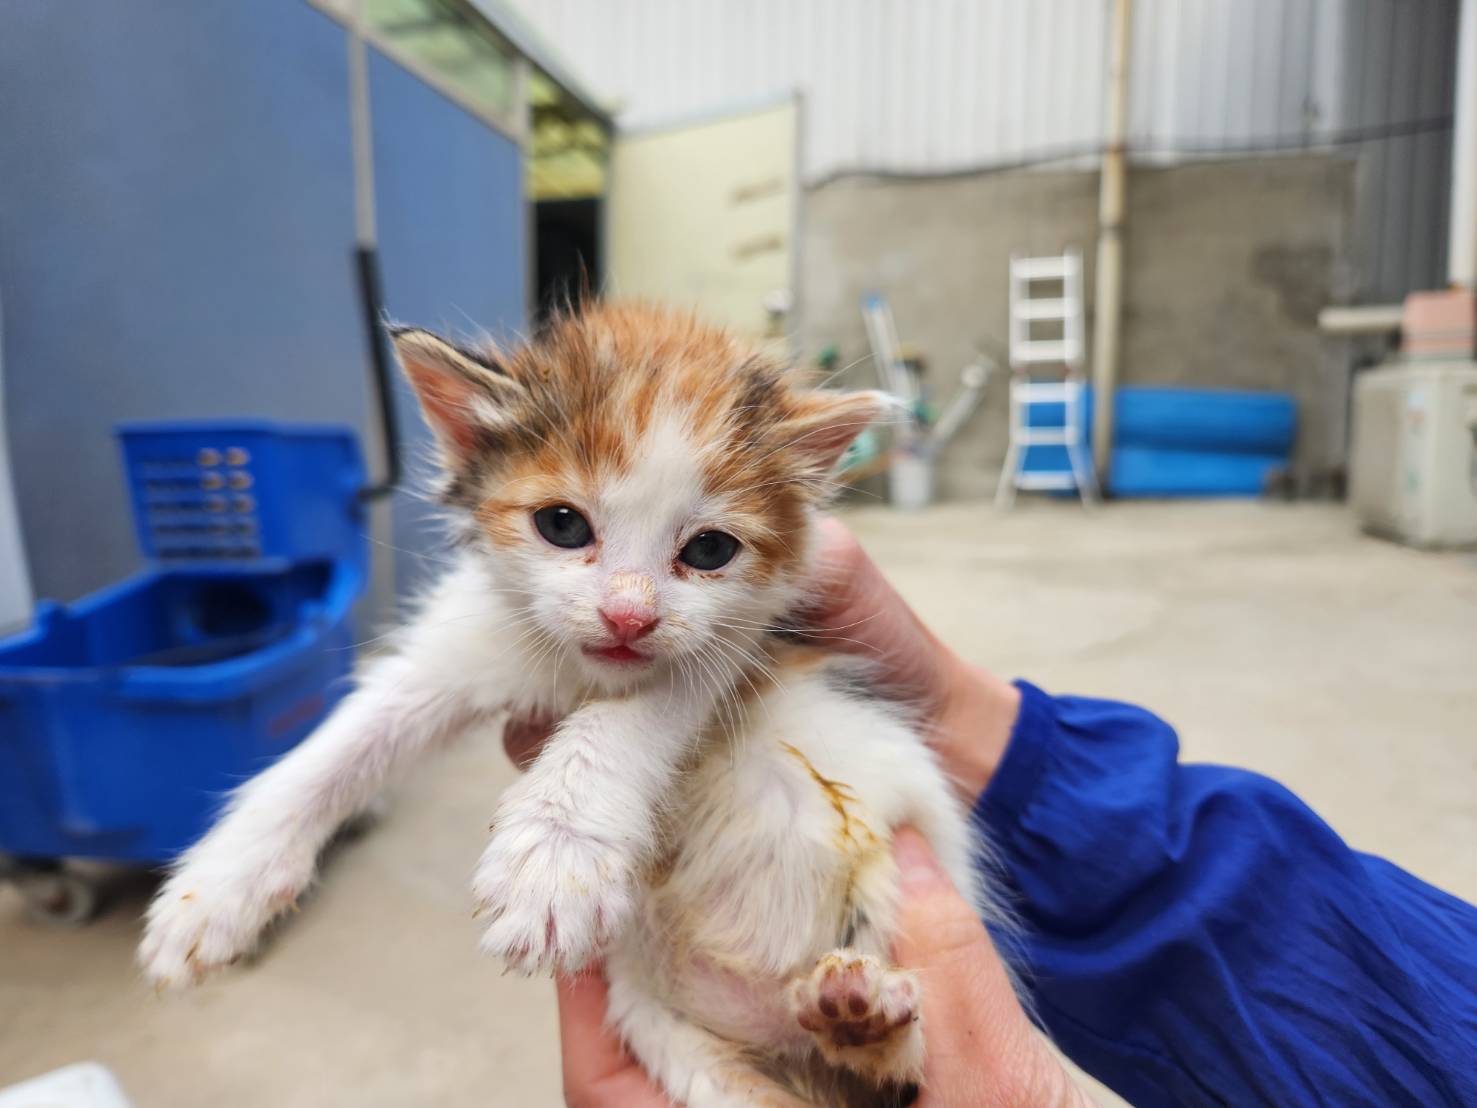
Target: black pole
371,300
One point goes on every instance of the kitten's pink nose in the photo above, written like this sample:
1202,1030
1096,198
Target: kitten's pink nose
628,622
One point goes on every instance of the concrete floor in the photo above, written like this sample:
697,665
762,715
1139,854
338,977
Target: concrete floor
1273,636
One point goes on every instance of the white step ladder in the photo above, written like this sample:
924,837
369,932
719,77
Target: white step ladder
1032,358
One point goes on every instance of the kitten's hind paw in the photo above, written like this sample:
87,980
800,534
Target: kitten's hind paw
862,1015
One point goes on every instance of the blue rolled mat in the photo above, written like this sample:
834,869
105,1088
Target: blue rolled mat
1185,441
1214,420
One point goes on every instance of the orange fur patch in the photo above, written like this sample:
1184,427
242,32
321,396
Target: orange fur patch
852,828
593,383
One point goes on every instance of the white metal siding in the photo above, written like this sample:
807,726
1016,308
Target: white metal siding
893,84
937,85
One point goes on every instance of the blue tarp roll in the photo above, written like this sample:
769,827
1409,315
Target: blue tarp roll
1185,441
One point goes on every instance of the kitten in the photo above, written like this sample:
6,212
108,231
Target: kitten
634,497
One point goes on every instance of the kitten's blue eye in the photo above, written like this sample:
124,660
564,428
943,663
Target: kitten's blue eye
710,550
563,526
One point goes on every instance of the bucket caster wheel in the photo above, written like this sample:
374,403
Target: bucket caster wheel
60,899
53,895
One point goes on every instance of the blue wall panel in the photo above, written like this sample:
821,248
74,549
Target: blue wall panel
449,198
176,227
176,236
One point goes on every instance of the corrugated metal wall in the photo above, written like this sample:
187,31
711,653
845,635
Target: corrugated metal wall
942,85
1411,43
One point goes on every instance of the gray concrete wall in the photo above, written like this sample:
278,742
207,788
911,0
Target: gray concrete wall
1227,266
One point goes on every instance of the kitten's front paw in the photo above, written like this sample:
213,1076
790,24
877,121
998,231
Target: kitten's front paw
211,911
553,898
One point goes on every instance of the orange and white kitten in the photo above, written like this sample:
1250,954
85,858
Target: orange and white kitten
635,496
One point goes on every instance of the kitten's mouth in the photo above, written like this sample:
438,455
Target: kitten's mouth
620,654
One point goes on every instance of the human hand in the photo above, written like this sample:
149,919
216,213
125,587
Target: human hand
971,711
981,1048
982,1051
598,1073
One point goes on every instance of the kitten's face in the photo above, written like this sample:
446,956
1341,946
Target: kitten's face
643,486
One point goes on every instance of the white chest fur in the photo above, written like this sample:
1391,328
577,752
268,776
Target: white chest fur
779,852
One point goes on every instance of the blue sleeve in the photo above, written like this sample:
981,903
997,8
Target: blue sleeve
1196,935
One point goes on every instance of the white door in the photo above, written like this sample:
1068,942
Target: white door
705,213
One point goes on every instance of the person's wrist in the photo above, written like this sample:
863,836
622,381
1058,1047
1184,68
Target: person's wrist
1047,1084
976,715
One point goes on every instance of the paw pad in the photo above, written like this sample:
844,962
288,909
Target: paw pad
855,1001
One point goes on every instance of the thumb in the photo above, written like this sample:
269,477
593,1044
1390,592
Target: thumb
981,1048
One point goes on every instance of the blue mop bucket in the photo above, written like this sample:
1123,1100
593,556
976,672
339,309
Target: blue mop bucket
126,716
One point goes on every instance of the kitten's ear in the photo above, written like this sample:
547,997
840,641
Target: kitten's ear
827,421
464,394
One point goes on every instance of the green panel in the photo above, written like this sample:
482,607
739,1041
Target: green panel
456,46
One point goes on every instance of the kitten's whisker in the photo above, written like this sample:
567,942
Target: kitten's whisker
440,558
828,378
712,668
394,631
799,629
752,663
869,647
